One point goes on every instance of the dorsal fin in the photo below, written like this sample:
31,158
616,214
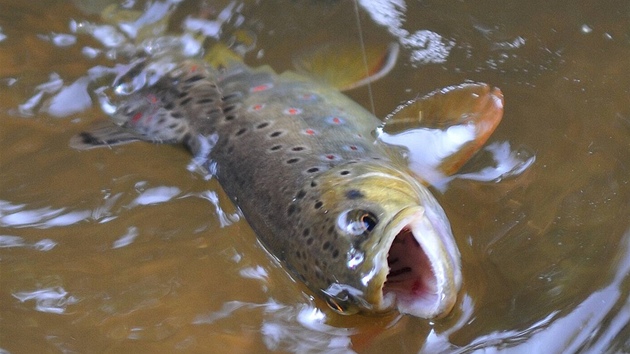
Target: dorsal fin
343,64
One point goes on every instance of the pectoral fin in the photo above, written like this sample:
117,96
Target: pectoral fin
443,129
346,65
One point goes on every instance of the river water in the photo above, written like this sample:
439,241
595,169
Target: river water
125,250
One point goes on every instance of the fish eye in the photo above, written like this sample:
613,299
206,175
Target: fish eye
357,222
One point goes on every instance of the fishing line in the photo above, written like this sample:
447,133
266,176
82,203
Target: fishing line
367,70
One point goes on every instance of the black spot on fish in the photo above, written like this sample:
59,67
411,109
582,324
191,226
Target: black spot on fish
298,148
172,125
193,79
331,230
344,172
232,96
309,241
306,232
262,125
229,117
276,134
312,169
293,160
169,106
229,108
326,245
335,253
230,149
313,183
241,131
300,194
354,194
318,204
161,120
298,255
177,114
205,100
291,209
185,101
276,147
182,94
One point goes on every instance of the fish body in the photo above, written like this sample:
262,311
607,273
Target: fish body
342,211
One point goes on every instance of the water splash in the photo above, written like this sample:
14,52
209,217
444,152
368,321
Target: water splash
297,329
225,219
127,238
7,241
426,46
12,215
50,300
155,195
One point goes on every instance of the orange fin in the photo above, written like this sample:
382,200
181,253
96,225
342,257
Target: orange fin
443,129
343,65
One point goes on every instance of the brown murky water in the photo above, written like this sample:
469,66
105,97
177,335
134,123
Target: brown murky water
124,250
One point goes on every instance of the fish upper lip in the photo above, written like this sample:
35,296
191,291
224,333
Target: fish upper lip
426,281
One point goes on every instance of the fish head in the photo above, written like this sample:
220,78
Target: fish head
388,244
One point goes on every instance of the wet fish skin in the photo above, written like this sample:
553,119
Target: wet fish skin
300,161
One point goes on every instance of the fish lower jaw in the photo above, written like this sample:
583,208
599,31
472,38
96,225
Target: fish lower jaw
417,284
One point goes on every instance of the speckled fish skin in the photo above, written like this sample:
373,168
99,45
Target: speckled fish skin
300,160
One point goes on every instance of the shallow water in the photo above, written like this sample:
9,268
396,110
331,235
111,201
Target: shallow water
125,250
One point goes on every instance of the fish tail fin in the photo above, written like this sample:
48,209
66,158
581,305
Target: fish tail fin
103,134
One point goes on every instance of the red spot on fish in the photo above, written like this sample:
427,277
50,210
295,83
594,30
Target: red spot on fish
262,87
152,98
309,132
330,157
353,148
136,117
334,120
194,68
292,111
257,107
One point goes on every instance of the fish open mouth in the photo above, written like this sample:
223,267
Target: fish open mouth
410,276
423,279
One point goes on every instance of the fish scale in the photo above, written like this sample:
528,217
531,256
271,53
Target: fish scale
324,196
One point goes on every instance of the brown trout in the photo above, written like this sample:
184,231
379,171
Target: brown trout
340,209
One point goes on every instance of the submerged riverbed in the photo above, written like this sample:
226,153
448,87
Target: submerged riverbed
125,250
